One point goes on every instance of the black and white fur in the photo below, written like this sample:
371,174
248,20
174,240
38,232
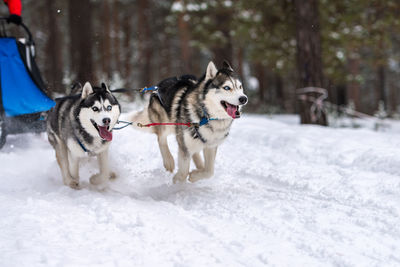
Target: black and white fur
186,99
75,126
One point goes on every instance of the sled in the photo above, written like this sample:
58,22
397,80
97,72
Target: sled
22,90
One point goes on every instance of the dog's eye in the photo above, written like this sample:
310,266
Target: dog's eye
109,107
227,87
95,109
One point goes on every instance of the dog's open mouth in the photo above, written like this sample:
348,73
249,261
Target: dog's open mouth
232,110
104,132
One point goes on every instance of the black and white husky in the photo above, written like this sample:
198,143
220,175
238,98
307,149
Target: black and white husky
80,125
217,95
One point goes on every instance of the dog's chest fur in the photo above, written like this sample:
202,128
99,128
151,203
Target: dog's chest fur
213,133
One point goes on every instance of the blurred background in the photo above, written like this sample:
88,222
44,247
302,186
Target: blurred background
349,47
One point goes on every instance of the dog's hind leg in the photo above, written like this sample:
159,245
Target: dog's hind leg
168,160
104,173
198,161
208,171
183,167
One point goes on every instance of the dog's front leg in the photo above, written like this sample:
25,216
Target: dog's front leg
104,173
208,171
183,167
63,161
198,161
73,170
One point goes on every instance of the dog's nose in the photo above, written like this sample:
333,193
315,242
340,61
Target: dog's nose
243,100
106,121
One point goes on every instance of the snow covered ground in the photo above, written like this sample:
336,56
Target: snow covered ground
282,195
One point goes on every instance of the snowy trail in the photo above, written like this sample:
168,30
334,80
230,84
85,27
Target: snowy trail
282,195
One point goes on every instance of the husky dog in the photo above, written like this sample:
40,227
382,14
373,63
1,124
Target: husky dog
218,94
83,123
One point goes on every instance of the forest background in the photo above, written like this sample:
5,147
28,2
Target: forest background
353,46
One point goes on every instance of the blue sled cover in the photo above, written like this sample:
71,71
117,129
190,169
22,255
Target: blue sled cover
20,95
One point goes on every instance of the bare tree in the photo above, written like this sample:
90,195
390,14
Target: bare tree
81,41
127,45
353,88
116,40
261,76
54,60
184,36
106,39
144,42
309,62
223,50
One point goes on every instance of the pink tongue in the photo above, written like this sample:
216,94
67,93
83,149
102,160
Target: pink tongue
231,110
104,133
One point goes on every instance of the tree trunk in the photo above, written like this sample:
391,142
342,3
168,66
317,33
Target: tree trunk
80,30
116,36
184,36
165,68
240,59
280,93
380,94
380,88
127,47
54,60
260,74
393,95
105,59
309,62
353,89
223,50
144,42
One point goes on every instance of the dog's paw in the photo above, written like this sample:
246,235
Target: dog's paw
113,176
97,179
196,175
71,182
74,185
169,163
179,178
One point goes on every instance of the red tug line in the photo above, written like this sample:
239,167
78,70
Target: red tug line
188,124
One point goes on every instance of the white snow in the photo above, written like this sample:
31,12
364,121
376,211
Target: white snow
282,195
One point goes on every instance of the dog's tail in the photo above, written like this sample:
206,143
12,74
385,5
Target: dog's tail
141,117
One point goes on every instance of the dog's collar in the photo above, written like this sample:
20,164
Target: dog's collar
81,145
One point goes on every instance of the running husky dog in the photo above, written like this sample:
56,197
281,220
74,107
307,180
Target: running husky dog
83,123
218,94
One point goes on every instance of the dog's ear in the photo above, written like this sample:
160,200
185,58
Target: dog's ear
87,90
211,71
227,66
105,87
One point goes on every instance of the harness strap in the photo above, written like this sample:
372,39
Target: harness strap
188,124
157,93
127,123
196,129
151,88
203,120
81,145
